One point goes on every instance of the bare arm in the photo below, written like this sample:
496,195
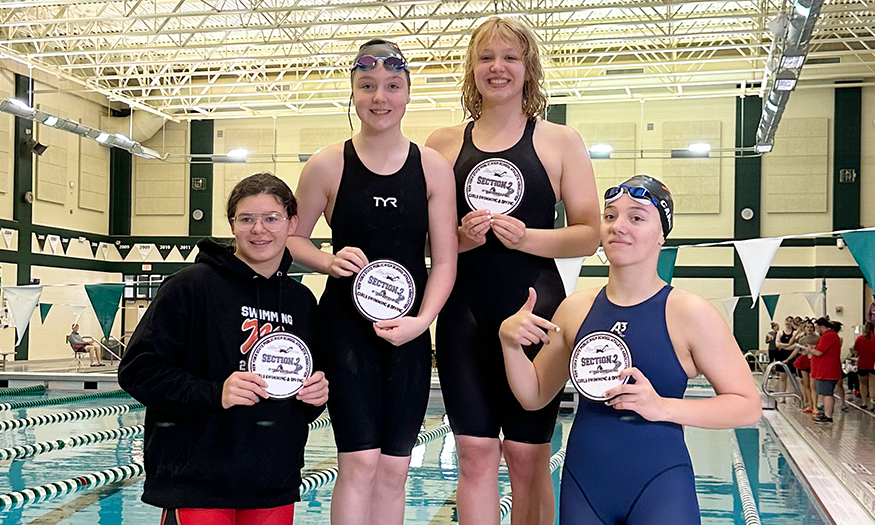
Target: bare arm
695,325
536,383
577,190
319,179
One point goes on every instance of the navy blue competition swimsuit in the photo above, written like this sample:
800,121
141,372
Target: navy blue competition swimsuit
621,468
379,392
492,283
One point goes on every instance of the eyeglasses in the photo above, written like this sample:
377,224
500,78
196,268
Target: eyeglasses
638,193
391,63
272,222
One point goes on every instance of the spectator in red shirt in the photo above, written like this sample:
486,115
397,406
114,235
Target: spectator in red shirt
864,347
826,365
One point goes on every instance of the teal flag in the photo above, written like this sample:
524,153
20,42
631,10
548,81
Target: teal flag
665,266
105,299
44,311
771,301
862,246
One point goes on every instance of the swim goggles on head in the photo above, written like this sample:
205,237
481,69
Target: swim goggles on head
638,193
392,63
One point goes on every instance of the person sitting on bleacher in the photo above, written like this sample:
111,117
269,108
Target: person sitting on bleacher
80,344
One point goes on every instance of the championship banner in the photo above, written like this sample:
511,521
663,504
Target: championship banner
665,267
862,247
41,241
756,256
54,243
144,250
22,301
601,255
7,236
105,299
164,250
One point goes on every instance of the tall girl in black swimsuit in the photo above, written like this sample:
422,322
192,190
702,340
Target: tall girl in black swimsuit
382,195
503,252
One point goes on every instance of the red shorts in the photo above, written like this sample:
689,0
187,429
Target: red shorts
274,516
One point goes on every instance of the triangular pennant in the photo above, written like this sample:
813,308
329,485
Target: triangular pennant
41,240
665,266
7,236
569,271
862,247
164,250
77,313
105,299
44,311
601,255
771,302
94,246
185,250
144,250
756,255
104,249
813,299
65,243
124,249
729,304
54,242
22,301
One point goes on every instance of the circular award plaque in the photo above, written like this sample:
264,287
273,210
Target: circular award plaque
496,185
596,363
383,290
284,361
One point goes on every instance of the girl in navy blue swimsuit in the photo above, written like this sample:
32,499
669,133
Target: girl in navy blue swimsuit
626,461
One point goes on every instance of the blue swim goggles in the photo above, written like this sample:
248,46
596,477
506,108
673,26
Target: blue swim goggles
638,193
392,63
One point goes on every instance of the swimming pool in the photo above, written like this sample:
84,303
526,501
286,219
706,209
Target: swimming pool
781,498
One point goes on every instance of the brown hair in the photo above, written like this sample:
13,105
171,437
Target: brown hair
259,183
514,31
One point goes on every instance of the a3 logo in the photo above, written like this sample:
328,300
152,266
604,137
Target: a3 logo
619,327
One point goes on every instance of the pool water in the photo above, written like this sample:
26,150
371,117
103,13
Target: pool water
431,488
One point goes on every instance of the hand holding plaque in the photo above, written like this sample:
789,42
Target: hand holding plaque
383,290
640,397
597,364
348,261
283,361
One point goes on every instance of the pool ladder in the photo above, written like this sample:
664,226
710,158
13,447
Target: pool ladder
770,397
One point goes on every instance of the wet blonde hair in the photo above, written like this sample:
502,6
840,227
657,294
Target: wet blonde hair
514,31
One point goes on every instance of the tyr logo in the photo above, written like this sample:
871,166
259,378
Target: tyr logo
385,201
619,327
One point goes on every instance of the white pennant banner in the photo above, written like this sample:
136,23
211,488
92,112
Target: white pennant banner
7,236
602,257
22,301
77,313
104,249
569,271
145,250
813,299
756,256
729,304
54,242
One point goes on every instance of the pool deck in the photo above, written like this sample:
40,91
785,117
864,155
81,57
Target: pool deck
830,453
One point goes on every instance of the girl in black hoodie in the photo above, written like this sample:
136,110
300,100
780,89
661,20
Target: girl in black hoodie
217,449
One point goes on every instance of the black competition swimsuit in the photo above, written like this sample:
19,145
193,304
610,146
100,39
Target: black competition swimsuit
783,354
379,392
492,283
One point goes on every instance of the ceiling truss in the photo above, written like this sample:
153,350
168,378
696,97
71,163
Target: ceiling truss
236,58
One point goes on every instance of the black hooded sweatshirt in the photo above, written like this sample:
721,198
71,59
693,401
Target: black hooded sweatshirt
195,334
